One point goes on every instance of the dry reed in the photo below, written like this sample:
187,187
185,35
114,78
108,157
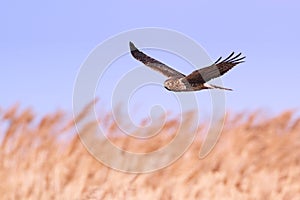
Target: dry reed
255,158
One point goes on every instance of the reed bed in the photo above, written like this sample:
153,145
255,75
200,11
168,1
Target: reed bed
256,157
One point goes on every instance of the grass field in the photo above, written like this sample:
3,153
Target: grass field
257,157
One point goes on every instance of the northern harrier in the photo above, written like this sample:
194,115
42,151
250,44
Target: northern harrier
197,80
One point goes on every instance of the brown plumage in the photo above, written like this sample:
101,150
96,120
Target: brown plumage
197,80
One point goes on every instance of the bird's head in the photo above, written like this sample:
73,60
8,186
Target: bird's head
174,84
169,84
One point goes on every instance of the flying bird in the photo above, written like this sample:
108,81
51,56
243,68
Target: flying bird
195,81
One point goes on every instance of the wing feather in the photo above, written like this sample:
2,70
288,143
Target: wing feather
153,63
217,69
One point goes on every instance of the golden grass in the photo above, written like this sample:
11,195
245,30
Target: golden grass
256,158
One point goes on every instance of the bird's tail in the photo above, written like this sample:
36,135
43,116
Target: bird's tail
210,86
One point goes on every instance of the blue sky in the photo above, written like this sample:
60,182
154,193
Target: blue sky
43,44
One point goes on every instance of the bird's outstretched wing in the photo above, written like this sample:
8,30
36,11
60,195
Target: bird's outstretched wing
154,64
215,70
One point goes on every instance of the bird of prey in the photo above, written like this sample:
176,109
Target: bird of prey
195,81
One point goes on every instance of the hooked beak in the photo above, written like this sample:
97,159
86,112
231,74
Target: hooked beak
167,88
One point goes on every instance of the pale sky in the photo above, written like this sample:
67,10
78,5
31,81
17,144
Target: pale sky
43,44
